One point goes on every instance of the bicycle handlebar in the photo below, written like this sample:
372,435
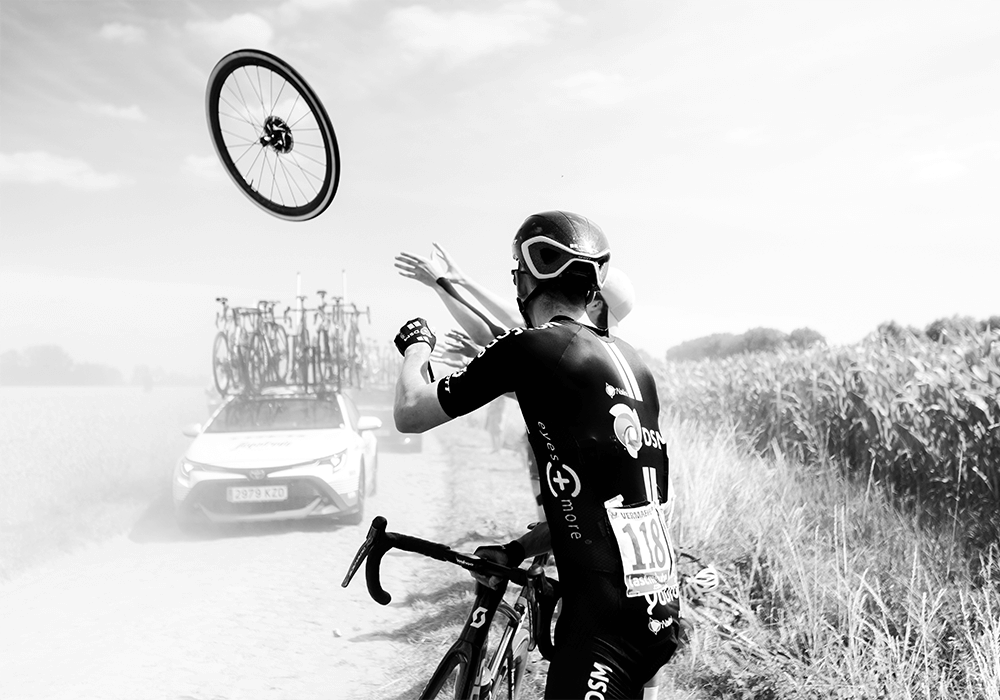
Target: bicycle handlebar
378,542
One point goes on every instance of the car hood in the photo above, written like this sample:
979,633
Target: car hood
260,450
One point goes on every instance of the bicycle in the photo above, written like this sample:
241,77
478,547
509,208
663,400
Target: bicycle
232,355
268,348
473,667
326,351
272,134
355,352
302,370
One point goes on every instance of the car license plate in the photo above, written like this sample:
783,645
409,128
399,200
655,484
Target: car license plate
256,494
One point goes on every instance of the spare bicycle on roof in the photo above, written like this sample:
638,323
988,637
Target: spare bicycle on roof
316,349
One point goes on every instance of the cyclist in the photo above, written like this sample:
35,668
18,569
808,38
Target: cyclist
608,307
591,409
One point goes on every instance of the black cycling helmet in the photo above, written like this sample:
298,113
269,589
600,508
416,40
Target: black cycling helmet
553,243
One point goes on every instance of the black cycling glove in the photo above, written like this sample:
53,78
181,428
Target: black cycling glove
415,331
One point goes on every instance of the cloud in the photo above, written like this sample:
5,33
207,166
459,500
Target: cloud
40,168
204,168
125,33
291,11
938,166
745,136
595,87
236,32
131,113
940,171
463,35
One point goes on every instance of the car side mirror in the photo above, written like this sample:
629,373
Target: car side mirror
193,430
368,423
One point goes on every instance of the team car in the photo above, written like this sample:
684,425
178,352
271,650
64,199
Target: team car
279,455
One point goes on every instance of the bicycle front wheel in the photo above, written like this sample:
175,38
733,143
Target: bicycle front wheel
278,343
448,680
508,662
273,135
221,364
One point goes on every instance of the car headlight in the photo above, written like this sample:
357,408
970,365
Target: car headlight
334,460
187,467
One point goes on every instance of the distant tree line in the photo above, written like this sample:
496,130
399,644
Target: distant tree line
755,340
942,330
51,365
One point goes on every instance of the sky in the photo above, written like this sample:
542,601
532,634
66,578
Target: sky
784,164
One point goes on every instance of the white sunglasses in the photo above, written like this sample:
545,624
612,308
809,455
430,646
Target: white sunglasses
533,253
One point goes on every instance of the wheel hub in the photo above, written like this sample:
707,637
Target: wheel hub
277,135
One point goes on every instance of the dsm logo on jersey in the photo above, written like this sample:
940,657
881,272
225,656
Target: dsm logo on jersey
628,430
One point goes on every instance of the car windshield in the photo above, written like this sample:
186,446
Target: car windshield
277,414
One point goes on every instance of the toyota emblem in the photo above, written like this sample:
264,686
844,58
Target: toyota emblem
257,474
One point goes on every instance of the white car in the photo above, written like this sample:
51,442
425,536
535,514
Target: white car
280,455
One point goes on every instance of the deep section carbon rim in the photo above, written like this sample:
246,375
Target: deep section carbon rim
272,134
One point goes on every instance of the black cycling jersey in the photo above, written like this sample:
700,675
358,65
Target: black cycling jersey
591,410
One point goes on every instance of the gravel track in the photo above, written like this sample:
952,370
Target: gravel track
245,613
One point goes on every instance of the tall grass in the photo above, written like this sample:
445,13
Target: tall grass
829,591
918,417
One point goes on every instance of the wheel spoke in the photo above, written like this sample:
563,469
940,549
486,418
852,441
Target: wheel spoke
244,139
246,150
291,110
277,98
248,119
274,182
246,107
285,170
320,163
304,171
260,92
307,114
262,163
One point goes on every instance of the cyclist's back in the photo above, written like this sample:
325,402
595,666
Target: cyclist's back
591,409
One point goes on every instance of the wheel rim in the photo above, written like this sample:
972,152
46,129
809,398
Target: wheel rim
220,365
280,355
273,135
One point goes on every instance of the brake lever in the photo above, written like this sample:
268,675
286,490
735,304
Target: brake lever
377,528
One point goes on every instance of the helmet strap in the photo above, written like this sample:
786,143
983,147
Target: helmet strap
522,305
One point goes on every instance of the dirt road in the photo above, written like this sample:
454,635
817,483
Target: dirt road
255,613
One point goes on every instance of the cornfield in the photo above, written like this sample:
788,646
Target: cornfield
916,416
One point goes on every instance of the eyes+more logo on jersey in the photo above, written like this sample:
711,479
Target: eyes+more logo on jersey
562,480
629,431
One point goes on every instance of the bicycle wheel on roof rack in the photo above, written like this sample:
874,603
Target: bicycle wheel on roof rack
272,134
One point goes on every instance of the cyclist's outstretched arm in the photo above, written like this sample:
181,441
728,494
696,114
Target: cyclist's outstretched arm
425,271
477,329
503,310
416,408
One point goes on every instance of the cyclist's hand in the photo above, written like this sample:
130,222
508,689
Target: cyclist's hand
494,553
414,331
451,271
419,268
449,358
510,554
459,343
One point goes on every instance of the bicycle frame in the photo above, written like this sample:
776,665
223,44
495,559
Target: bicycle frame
469,650
467,653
